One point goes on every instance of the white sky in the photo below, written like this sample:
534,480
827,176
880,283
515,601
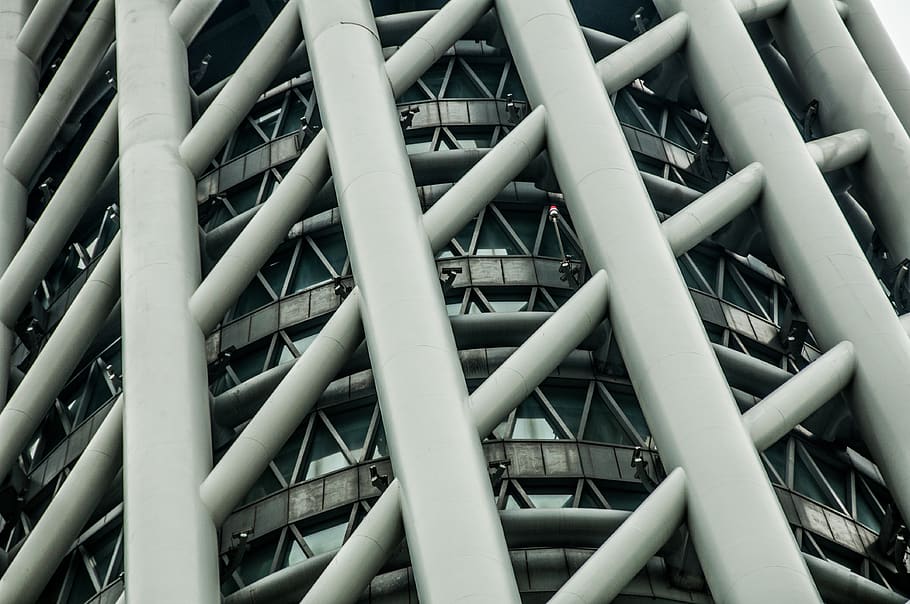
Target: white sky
895,14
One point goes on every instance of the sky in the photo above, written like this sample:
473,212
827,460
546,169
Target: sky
895,14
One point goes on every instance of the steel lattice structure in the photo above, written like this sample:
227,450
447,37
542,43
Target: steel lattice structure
586,255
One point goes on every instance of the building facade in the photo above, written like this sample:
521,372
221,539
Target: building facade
524,300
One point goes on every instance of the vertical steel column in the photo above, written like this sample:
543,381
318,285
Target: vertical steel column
825,268
743,540
880,54
454,535
825,60
18,92
170,541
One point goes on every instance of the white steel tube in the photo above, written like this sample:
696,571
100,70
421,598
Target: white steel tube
644,53
800,396
59,357
63,212
50,113
431,41
41,25
743,539
286,407
751,11
825,268
604,575
698,220
454,533
189,17
285,206
19,83
839,150
826,62
69,510
167,436
294,398
880,54
70,201
240,93
364,553
541,353
265,232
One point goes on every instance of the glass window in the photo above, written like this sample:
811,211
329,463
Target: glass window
804,482
532,422
435,75
603,427
257,562
706,265
568,402
418,141
324,455
246,139
276,269
309,271
293,553
250,362
460,85
325,536
524,223
295,111
82,587
266,484
380,447
352,426
303,337
776,455
286,460
253,297
493,239
547,499
333,248
489,73
621,499
510,299
733,292
630,407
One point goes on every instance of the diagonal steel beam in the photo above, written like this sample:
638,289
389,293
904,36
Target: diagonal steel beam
377,536
241,91
698,220
682,390
826,62
800,396
50,113
59,357
644,53
268,228
298,392
883,58
628,549
19,86
449,516
40,27
839,150
826,270
72,506
95,163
